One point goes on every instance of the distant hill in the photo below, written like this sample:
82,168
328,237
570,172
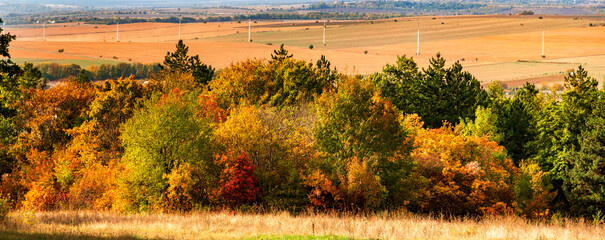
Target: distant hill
154,3
19,7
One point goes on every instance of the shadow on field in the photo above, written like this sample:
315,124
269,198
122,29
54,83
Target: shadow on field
10,235
77,219
10,229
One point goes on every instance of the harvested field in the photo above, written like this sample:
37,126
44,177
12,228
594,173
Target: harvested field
505,48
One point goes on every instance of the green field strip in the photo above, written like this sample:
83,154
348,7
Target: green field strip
84,63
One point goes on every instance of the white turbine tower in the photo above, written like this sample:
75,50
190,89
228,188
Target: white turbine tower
324,34
249,30
543,56
44,27
418,43
179,28
118,32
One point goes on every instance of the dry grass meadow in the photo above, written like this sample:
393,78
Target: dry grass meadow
225,225
505,48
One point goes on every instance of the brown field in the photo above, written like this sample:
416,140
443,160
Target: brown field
505,48
225,225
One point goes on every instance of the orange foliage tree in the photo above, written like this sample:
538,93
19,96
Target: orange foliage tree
47,117
462,175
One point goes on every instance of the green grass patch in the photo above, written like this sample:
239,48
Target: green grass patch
84,63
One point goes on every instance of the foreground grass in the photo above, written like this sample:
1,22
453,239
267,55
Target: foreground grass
224,225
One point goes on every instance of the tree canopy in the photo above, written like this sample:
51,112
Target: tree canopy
436,94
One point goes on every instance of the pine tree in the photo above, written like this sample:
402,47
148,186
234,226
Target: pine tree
586,171
281,54
559,130
436,94
180,61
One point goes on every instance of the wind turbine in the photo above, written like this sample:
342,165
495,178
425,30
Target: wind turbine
118,32
324,34
543,56
418,43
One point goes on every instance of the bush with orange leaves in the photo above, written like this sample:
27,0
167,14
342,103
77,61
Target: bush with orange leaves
361,188
47,114
462,175
323,193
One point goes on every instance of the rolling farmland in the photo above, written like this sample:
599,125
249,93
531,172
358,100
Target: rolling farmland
505,48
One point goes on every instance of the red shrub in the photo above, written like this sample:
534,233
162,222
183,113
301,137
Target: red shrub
238,184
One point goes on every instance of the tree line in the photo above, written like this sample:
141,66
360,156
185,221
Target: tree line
226,18
54,71
283,133
406,6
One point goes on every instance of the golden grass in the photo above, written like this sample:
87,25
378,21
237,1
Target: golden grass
224,225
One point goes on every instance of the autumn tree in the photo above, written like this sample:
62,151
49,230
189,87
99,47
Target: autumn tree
179,60
114,103
238,184
15,84
168,134
278,82
47,114
533,192
361,187
277,143
166,81
46,118
461,175
355,123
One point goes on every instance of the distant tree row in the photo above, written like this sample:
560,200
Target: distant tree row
398,6
256,16
55,71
